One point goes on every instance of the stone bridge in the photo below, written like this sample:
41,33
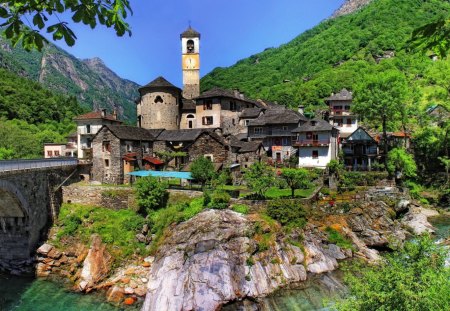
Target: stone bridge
30,198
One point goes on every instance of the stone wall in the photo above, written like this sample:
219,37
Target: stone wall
100,172
155,114
31,194
206,145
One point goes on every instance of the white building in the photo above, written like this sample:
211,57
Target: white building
87,126
317,143
341,115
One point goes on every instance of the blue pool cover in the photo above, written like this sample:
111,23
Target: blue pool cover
163,174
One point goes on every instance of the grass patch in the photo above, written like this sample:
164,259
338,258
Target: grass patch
276,193
335,237
241,208
116,228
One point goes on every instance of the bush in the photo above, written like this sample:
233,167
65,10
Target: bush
414,189
335,237
219,200
151,194
287,212
240,208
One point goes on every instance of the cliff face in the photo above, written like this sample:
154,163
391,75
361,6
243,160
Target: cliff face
349,7
90,81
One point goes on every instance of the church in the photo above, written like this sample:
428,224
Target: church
162,105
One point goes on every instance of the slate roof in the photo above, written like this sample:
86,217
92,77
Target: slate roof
96,115
155,132
320,126
344,94
188,104
190,33
278,116
218,92
159,83
130,132
250,112
244,146
180,135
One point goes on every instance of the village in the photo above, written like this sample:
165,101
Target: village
175,127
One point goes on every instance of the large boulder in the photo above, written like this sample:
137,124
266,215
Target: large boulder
96,266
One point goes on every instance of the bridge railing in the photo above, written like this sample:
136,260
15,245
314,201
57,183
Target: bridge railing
14,165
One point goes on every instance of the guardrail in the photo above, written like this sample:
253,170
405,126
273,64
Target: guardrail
14,165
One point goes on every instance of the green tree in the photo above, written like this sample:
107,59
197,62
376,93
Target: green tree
151,194
434,36
296,178
202,170
381,99
6,153
446,163
401,161
413,279
167,156
259,178
24,19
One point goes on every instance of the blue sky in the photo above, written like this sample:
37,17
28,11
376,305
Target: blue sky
230,29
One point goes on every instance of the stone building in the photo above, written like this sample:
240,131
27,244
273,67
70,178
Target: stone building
360,150
245,153
88,125
317,143
274,129
118,150
159,106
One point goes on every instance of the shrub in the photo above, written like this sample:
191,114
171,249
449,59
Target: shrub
240,208
219,200
151,194
287,212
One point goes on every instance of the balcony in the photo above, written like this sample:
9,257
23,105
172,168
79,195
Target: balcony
340,112
312,143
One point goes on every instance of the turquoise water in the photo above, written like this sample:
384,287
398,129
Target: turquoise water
29,294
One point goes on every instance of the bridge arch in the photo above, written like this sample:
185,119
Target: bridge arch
12,202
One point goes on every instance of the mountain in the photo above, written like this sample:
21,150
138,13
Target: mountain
341,52
90,80
350,6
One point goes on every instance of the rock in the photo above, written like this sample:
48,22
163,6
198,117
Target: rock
145,229
129,291
141,238
83,285
140,291
115,294
402,206
125,280
335,252
417,220
97,263
44,249
149,259
54,254
42,270
144,280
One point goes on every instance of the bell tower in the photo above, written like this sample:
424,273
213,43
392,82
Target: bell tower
190,47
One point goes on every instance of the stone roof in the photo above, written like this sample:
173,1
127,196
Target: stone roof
96,115
218,92
244,146
188,104
130,132
344,94
320,126
250,112
180,135
155,132
159,83
278,116
190,33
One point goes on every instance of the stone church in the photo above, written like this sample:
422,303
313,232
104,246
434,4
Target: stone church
162,105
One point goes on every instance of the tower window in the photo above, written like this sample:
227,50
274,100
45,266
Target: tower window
190,46
207,105
158,99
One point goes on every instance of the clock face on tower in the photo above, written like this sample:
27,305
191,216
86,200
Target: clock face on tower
190,62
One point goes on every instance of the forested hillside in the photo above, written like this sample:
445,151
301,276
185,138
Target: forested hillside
90,81
31,115
340,53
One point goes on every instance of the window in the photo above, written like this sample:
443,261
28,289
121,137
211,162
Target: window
207,104
207,120
209,157
106,163
313,123
232,106
347,108
258,130
88,128
129,147
339,122
106,146
145,147
190,46
349,122
56,153
89,143
315,154
285,141
246,122
49,153
315,137
309,135
285,128
233,122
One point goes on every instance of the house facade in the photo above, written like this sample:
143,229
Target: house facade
360,150
317,143
87,127
118,150
340,114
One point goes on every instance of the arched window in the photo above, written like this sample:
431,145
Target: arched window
190,116
158,99
190,46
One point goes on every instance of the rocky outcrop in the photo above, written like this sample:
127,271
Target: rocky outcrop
212,259
350,6
416,219
96,265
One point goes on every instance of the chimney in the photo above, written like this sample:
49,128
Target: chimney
301,109
236,93
103,113
114,113
241,96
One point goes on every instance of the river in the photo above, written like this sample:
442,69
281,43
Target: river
21,293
